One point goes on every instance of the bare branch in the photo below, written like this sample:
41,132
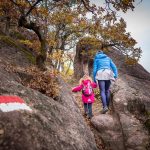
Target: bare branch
86,5
110,45
32,7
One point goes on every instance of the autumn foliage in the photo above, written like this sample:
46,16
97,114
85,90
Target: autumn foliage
45,83
59,25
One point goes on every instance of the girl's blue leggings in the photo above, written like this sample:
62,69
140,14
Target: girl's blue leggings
88,109
104,86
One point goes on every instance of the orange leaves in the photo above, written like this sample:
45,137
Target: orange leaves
90,41
22,3
57,55
130,61
123,5
7,9
52,42
63,24
83,23
43,11
44,82
62,17
125,1
109,17
89,46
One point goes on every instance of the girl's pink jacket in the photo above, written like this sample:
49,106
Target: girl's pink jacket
85,99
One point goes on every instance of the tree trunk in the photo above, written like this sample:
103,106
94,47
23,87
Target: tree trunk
67,70
78,64
7,25
90,67
62,66
45,20
83,64
62,47
78,68
59,67
40,60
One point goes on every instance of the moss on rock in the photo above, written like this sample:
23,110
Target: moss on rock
9,41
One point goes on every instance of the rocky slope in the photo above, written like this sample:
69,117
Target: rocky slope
128,125
59,124
52,125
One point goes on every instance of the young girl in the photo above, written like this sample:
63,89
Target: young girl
86,85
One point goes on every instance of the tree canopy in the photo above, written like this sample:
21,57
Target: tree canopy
59,24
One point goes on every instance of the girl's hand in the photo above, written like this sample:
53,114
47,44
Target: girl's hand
73,90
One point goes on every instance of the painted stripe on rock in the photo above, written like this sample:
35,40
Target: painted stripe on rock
11,99
6,107
11,103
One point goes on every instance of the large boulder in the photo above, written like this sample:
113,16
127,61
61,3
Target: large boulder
51,125
109,130
125,128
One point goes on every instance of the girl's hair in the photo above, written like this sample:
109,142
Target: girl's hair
85,77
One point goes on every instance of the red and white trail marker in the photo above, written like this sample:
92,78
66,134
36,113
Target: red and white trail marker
11,103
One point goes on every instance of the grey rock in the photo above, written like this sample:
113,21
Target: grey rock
52,125
127,127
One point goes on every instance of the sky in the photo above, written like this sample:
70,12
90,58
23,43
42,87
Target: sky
138,24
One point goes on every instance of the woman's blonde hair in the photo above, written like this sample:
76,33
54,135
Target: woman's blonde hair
85,77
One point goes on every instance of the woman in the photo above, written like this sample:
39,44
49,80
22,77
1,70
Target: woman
104,70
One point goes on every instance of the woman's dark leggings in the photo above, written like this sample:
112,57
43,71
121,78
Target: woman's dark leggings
104,86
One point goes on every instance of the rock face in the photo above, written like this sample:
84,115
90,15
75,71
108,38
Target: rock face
59,125
127,127
109,130
52,125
